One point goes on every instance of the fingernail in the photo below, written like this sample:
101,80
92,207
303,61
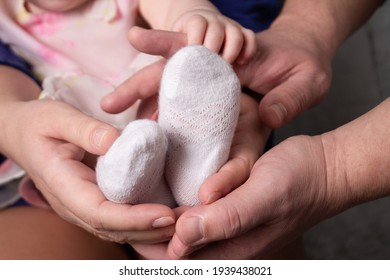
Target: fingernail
108,98
98,137
105,98
195,230
214,196
280,111
163,222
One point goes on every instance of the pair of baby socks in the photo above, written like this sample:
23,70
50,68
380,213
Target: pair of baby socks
167,161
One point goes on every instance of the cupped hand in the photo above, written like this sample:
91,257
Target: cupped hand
287,193
248,144
50,140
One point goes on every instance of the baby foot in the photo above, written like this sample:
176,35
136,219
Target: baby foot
132,170
198,111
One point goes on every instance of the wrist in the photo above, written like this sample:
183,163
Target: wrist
328,23
312,33
338,195
357,159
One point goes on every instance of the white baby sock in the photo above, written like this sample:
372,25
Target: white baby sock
198,110
132,169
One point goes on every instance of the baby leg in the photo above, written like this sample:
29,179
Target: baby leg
132,170
198,111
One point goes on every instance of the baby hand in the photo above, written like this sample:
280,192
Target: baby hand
218,33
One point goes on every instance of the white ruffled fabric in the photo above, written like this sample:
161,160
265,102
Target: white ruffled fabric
9,173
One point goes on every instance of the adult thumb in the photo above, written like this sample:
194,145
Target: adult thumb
73,126
230,216
288,100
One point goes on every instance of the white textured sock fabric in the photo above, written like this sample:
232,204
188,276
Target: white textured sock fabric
132,170
198,111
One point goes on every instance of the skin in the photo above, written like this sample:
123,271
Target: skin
200,19
42,235
203,24
61,150
303,180
291,58
42,226
196,227
56,147
291,188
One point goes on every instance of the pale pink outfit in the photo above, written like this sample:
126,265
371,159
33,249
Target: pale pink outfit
80,55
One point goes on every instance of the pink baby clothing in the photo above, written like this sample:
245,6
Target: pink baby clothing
80,55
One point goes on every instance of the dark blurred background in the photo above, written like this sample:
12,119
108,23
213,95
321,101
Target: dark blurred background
361,81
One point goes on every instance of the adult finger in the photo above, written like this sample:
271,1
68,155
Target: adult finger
93,210
141,85
248,144
145,82
225,180
292,97
243,209
69,124
284,194
157,42
145,237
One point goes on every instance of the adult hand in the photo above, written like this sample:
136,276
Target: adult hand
248,144
286,193
292,76
293,186
49,140
290,69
